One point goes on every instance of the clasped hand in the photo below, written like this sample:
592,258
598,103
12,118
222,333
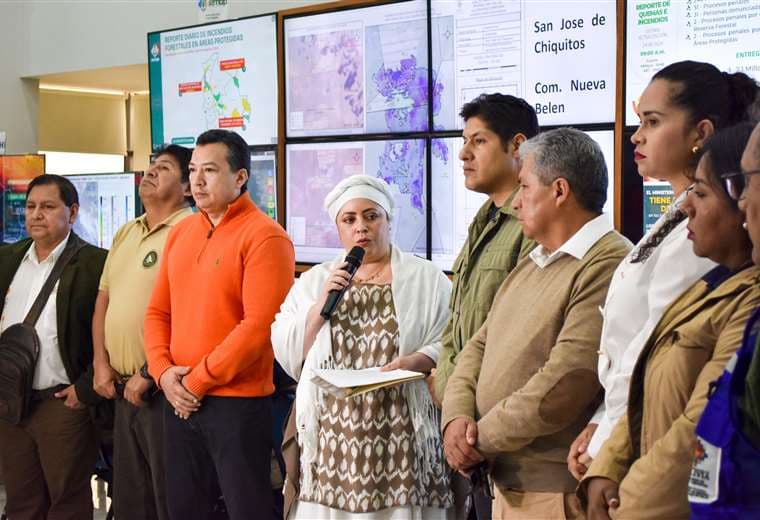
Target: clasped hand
183,401
459,440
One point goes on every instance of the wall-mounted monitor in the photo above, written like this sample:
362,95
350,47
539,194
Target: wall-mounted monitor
660,33
454,207
262,181
107,201
15,173
357,71
314,169
221,75
557,55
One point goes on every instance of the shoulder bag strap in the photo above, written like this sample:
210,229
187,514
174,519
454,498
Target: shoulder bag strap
73,245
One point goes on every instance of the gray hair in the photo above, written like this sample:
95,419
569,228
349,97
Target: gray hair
574,156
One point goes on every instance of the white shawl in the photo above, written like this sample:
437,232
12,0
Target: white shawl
421,297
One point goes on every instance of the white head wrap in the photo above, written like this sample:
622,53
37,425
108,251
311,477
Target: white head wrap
359,187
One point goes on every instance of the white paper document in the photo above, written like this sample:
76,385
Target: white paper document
345,383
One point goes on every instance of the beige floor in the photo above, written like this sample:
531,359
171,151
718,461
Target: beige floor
99,499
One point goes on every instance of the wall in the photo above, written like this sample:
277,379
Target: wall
40,37
18,98
139,133
84,123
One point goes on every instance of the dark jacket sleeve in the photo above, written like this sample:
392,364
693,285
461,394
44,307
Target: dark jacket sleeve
78,340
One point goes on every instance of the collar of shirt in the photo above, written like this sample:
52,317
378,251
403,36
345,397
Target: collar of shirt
489,210
577,245
717,275
168,221
31,253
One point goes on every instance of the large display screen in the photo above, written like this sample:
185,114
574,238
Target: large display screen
314,169
106,202
726,34
357,71
262,182
15,173
454,206
557,55
222,75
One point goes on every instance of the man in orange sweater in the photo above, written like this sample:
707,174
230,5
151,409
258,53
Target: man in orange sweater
223,276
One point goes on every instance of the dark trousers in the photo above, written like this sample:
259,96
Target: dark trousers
226,447
138,460
470,504
48,461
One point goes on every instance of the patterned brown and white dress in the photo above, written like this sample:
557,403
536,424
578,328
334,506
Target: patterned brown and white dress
366,459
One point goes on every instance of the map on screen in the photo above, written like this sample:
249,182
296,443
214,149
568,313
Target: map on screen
557,55
106,202
356,71
454,207
315,169
724,33
222,75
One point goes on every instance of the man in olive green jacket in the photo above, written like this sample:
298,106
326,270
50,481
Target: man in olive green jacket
495,126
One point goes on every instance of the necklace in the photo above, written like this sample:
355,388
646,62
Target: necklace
370,278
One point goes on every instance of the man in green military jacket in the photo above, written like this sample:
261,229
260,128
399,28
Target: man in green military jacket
495,126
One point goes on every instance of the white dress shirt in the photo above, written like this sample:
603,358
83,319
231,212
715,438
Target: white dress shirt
638,296
577,245
27,282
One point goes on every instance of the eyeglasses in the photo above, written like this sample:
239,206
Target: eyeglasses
736,183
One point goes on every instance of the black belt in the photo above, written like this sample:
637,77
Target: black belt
47,393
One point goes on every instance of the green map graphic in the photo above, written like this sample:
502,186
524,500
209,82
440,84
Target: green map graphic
222,94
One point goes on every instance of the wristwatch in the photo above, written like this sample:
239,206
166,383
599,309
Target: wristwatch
144,372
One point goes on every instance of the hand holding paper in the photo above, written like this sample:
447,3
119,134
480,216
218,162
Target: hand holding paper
416,362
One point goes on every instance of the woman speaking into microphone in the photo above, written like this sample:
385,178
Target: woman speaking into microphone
379,454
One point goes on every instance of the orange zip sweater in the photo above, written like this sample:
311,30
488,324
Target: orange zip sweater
217,292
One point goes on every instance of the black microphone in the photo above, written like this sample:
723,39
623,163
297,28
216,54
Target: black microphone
354,259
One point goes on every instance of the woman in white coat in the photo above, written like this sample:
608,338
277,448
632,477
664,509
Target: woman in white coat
377,455
683,105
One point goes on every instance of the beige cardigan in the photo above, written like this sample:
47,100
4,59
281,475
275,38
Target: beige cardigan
529,375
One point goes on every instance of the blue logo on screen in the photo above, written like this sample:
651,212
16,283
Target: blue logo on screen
202,4
155,50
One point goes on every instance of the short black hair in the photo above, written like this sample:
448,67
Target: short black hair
238,153
182,155
66,188
504,115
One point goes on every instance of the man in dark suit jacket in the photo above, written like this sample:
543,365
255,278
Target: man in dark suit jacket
49,457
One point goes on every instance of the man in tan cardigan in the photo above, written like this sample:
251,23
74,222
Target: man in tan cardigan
525,385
